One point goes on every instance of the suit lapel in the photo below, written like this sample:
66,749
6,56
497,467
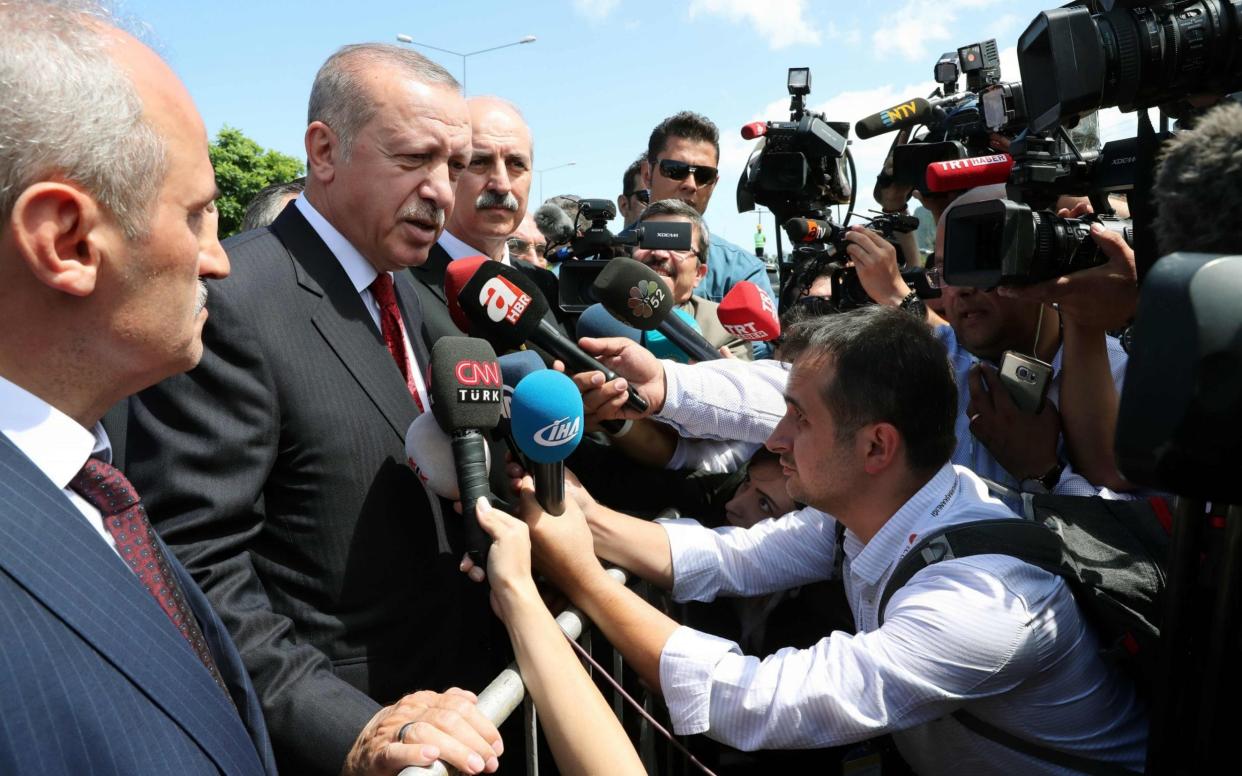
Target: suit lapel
431,273
343,320
48,548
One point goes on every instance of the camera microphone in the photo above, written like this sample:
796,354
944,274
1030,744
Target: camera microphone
754,129
748,312
810,230
968,173
635,293
908,114
554,223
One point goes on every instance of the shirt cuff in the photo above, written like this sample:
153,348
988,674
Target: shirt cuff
674,393
686,665
696,563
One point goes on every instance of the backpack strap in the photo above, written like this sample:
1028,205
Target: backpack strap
1038,751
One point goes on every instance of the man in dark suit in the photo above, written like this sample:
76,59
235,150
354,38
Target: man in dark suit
113,661
276,469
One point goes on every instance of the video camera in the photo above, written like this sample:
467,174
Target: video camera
582,262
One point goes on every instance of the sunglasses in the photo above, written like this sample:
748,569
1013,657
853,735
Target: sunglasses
643,195
678,171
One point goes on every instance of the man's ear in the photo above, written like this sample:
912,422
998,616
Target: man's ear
880,444
62,234
322,147
646,171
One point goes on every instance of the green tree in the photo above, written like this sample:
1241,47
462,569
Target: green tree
243,169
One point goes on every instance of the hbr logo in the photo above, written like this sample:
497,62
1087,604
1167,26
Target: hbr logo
503,300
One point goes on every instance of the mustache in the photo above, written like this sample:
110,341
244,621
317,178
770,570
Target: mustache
492,199
201,301
421,210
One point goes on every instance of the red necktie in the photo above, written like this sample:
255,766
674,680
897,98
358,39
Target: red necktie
393,329
123,515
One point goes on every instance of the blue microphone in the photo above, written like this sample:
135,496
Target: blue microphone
596,321
514,367
547,423
663,347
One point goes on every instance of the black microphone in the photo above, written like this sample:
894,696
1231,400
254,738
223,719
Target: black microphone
554,224
908,114
466,391
633,292
506,308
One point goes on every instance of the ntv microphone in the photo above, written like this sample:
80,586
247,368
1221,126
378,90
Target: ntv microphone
748,312
968,173
907,114
547,426
506,308
465,398
429,452
639,297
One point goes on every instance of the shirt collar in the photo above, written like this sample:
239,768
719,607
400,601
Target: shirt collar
456,249
869,562
56,443
361,272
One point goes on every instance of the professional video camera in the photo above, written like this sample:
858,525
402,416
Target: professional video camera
1128,53
583,260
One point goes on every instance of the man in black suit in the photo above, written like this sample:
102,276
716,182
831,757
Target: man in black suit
276,469
113,661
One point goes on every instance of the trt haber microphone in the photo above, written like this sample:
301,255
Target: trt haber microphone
506,308
596,322
748,312
637,295
429,452
907,114
547,426
457,275
968,173
466,388
754,129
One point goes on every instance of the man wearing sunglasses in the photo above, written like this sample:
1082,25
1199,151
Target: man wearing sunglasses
634,196
682,157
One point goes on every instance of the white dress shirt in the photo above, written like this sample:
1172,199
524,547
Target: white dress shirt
990,634
362,274
456,249
56,443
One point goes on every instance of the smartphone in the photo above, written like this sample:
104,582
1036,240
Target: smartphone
1026,378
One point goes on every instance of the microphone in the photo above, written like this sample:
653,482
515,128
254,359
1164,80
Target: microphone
596,321
811,230
429,452
506,308
513,368
754,130
907,114
456,275
748,312
968,173
465,398
637,295
554,223
547,426
662,347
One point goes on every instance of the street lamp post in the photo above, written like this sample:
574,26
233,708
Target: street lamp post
403,38
550,169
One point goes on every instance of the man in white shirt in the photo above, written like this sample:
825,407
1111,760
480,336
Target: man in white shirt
988,634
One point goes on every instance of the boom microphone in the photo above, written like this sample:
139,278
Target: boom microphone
429,452
456,275
547,426
748,312
506,308
968,173
637,295
466,398
907,114
554,224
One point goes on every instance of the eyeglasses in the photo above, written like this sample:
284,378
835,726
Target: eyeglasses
518,245
644,196
678,171
678,256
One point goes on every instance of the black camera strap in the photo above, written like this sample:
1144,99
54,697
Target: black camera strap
1142,206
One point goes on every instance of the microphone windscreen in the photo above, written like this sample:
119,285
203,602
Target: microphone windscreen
456,276
754,129
596,321
748,312
547,416
662,347
466,384
907,114
514,367
554,223
429,452
633,292
503,305
958,174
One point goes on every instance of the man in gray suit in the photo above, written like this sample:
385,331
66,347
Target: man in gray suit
276,469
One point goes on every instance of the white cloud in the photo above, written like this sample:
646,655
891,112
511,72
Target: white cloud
595,9
911,30
781,23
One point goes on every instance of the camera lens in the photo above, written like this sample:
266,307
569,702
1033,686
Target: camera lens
1025,374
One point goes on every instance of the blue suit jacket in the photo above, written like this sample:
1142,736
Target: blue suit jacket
93,677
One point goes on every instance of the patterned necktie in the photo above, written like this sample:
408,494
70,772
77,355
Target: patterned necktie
393,329
106,489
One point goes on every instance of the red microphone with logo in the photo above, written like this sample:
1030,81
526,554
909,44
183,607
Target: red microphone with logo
456,276
958,174
749,313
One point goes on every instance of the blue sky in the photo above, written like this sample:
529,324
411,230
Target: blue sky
602,72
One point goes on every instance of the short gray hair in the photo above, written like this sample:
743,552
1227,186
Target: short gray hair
268,203
67,109
675,207
340,97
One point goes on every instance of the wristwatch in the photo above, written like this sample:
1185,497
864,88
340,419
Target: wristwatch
1044,483
913,305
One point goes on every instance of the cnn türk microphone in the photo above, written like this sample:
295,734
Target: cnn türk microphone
429,452
547,426
902,116
466,391
637,295
456,275
748,312
968,173
506,308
